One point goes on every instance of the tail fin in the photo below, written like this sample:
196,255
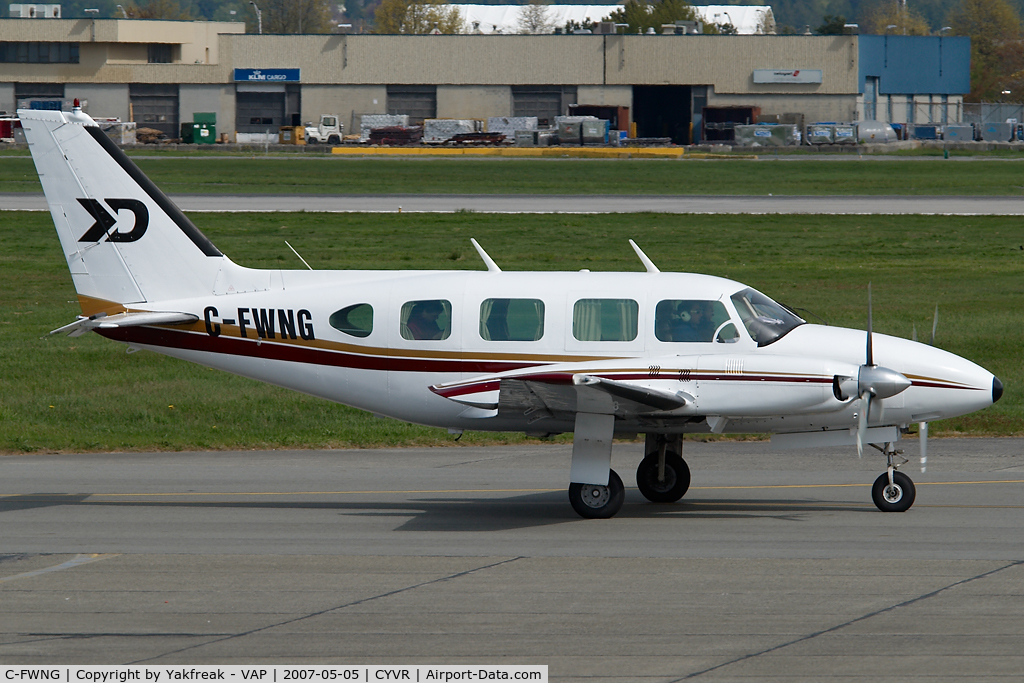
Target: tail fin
125,241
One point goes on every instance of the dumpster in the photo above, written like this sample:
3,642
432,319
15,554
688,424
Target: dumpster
204,133
291,135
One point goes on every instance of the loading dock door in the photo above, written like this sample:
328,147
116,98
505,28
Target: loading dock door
155,105
543,101
418,101
663,111
259,107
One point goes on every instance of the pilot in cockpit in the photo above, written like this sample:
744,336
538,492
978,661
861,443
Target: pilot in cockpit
694,322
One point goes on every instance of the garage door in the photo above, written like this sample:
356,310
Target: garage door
155,105
418,101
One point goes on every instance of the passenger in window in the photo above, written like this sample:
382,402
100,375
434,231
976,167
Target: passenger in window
422,322
695,323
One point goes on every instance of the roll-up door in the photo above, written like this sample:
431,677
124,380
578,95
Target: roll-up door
418,101
155,105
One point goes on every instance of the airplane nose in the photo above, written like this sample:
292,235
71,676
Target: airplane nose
997,389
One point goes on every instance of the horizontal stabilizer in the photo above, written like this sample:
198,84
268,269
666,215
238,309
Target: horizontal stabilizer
128,319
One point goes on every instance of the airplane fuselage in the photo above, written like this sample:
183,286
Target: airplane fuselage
282,334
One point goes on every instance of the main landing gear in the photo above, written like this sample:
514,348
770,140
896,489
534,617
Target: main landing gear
893,491
663,476
592,501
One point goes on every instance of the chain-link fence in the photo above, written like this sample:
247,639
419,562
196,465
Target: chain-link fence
992,112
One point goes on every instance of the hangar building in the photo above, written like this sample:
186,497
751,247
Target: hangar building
158,73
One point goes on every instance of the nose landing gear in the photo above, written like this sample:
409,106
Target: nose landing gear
893,491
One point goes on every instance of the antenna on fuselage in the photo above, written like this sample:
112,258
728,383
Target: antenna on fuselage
648,263
299,255
492,267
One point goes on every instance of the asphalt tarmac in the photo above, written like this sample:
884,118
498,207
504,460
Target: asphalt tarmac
722,204
775,566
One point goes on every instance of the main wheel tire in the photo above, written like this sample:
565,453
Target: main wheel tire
598,502
675,485
895,497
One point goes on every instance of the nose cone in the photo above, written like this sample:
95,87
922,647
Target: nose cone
997,389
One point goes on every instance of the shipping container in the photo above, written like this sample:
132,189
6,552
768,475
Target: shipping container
958,133
996,132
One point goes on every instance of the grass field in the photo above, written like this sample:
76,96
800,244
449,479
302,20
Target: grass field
329,175
86,394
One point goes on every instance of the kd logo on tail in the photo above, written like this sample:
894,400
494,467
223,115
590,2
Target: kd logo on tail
105,221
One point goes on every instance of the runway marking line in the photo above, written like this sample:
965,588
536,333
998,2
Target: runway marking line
76,561
179,494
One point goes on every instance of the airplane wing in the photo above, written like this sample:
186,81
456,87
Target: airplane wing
127,319
560,394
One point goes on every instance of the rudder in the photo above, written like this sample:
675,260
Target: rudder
124,240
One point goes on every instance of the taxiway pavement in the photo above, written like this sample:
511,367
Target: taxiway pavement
775,566
720,204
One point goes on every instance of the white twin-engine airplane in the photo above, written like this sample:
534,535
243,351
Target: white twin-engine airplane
597,354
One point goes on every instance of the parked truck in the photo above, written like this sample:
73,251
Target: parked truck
329,132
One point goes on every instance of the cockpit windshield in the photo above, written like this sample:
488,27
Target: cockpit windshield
765,320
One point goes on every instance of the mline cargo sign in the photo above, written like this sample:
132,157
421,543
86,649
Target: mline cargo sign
787,75
267,75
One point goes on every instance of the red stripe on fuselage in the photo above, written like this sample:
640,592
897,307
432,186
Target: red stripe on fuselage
233,346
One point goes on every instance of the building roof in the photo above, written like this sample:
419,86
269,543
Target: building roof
505,18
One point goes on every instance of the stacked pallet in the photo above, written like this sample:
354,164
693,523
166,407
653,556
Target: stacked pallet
367,122
396,135
442,130
508,125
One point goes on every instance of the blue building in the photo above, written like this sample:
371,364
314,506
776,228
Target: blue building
913,79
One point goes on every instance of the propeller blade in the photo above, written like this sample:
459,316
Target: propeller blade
862,425
935,323
913,335
870,354
923,437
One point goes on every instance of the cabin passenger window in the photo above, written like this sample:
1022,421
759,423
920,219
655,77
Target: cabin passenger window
605,319
688,320
356,320
511,319
430,319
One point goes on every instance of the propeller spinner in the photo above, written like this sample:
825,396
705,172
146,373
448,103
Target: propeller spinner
871,383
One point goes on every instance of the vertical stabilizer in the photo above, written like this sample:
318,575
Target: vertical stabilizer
124,240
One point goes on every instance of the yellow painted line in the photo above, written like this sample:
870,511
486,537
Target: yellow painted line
268,493
851,485
180,494
77,561
527,152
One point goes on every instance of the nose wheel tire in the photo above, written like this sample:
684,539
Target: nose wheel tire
895,497
598,502
674,484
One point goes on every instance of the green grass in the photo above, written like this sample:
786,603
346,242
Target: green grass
332,175
86,394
